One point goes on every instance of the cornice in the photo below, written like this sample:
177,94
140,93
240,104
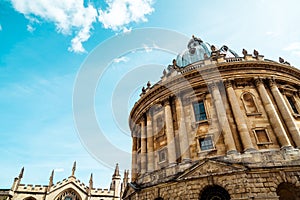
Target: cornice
198,75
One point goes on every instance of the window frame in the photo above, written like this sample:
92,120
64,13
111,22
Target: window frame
205,111
291,99
267,134
203,138
159,152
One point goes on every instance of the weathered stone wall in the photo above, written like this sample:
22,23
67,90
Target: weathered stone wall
258,183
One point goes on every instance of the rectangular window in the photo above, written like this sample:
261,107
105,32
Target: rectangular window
199,111
292,103
262,136
162,155
206,143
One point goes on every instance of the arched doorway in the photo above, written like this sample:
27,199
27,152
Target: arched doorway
288,191
214,192
30,198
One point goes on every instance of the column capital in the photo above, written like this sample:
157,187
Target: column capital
272,82
258,81
166,102
149,113
211,85
229,82
142,120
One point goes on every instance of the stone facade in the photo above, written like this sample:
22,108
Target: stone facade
67,189
222,127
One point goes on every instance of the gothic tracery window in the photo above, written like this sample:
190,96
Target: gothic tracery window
68,194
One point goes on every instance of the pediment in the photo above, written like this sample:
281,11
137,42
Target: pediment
210,167
69,183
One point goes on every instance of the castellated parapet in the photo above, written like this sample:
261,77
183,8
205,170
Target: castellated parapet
70,187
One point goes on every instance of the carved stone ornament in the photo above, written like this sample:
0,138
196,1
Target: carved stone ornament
255,53
244,52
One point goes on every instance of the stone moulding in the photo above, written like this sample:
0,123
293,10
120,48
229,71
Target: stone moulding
227,70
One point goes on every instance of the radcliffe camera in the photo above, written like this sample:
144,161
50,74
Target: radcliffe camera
149,100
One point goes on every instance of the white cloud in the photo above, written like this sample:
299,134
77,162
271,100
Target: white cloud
294,48
121,59
71,17
67,15
127,30
0,27
30,28
122,12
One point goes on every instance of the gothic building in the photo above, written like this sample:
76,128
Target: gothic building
217,126
68,189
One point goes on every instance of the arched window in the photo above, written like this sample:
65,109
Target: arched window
68,194
214,192
288,191
250,104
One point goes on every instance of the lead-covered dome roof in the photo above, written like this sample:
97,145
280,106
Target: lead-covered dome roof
198,50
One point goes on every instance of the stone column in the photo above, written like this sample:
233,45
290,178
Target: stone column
134,158
285,113
183,136
272,114
170,133
239,118
143,147
222,119
150,144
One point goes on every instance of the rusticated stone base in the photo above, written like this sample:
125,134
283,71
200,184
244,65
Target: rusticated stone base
239,180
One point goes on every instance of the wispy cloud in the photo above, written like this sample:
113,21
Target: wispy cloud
0,27
121,59
72,17
30,28
294,48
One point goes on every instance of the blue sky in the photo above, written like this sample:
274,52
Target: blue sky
44,44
